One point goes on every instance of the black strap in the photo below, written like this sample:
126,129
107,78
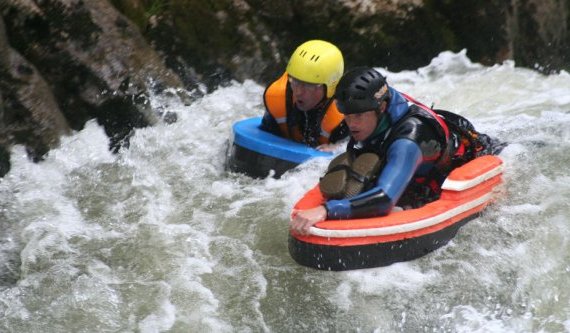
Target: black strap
464,128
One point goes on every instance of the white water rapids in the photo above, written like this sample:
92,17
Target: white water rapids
159,238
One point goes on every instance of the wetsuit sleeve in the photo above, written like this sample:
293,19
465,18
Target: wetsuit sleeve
269,124
403,159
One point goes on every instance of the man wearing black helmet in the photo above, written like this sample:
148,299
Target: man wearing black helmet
415,150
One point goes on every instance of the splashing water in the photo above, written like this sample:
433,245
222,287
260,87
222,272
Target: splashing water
160,238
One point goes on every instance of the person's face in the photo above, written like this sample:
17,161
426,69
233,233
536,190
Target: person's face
361,125
306,95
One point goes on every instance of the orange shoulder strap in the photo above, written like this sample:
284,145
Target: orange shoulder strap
331,120
276,104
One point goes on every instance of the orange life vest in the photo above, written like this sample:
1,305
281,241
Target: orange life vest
275,102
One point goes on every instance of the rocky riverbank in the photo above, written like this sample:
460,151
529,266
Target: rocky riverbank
64,62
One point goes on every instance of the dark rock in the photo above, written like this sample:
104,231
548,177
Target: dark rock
4,144
63,62
30,114
97,65
253,39
539,34
170,117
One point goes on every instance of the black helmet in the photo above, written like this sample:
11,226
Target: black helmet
360,90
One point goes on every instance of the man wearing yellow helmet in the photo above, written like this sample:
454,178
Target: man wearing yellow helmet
299,105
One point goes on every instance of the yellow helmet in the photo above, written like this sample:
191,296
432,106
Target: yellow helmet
319,62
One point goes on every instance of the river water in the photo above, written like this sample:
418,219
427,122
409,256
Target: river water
159,238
